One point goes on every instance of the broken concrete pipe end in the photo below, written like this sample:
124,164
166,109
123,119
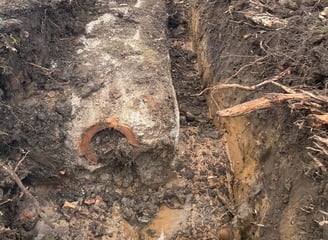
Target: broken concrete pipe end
83,145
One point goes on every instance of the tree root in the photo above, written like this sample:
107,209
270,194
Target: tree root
7,169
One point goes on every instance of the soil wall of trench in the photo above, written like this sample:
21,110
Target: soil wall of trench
278,190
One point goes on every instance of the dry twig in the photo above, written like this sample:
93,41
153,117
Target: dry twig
20,161
46,71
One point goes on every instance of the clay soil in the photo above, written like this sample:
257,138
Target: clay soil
77,204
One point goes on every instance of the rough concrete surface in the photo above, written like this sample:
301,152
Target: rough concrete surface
124,53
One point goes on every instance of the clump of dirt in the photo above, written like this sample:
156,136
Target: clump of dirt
112,146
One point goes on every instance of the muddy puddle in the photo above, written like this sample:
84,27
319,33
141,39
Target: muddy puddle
167,223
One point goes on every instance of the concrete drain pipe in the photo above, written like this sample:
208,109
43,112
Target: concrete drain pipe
125,61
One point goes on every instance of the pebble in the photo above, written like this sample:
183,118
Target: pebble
190,117
196,111
188,174
225,233
63,108
212,134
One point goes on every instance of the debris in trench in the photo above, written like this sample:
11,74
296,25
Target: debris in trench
84,143
69,205
303,99
226,233
266,19
97,200
324,14
320,149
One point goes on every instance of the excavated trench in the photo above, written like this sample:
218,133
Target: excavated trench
89,123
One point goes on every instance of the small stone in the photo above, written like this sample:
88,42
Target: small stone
196,111
118,180
324,13
225,233
212,134
188,174
256,189
51,94
127,181
190,117
63,108
116,95
145,198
